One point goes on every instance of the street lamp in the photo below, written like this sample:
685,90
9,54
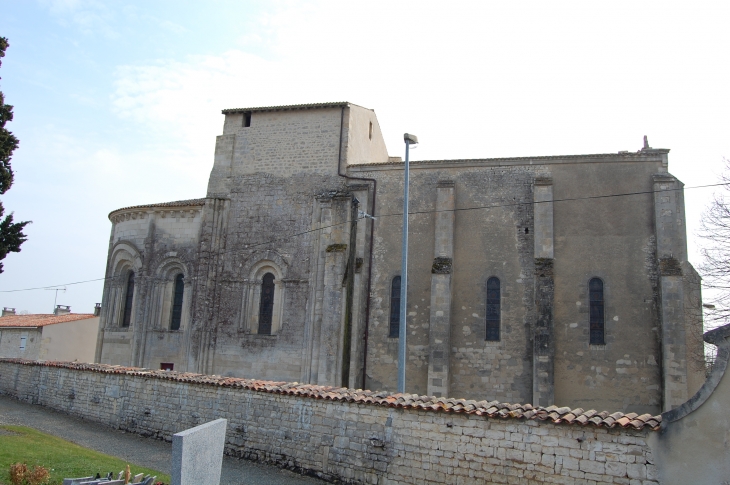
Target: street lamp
409,140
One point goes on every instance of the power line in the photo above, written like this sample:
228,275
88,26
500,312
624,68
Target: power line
495,206
52,287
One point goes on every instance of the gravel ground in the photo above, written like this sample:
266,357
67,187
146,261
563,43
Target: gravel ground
133,448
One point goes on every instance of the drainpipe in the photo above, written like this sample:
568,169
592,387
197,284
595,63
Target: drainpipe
370,250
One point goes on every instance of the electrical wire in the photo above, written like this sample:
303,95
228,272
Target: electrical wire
53,287
248,247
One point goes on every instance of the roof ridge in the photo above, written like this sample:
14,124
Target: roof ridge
174,203
398,161
291,107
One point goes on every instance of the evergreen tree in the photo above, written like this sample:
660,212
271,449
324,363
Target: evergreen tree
11,233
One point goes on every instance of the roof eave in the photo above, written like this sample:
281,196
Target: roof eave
290,107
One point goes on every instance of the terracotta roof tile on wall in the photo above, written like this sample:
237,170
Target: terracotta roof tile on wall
41,319
490,409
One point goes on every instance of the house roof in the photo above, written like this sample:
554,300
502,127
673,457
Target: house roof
489,409
41,319
291,107
176,203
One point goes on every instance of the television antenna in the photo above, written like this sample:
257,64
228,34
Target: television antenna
55,299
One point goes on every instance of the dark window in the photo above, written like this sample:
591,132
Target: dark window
395,308
177,302
246,120
266,307
167,365
595,287
128,298
493,309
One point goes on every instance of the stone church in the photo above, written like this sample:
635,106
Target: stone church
546,280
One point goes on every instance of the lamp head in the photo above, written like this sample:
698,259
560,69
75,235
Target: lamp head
410,139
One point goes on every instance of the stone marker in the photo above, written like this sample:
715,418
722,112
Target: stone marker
197,454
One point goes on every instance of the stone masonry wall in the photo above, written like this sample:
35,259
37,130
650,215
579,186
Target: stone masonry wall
352,436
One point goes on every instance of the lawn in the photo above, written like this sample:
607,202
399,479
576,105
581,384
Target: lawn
63,458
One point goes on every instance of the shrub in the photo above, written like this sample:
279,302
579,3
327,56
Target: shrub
20,474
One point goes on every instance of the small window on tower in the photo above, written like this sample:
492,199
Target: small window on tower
370,133
167,366
246,119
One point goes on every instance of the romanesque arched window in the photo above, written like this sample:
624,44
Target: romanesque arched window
494,310
128,299
395,308
597,324
266,305
177,301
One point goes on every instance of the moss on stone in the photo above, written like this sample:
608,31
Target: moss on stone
543,267
441,266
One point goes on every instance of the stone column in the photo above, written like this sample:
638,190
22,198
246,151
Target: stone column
439,336
543,353
671,252
332,311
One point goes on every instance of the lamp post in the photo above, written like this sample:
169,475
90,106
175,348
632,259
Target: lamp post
402,330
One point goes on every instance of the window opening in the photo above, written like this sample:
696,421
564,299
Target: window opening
126,320
177,303
395,308
597,325
246,119
370,132
167,366
22,343
493,309
266,307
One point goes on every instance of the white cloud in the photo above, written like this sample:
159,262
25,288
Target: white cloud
472,80
87,16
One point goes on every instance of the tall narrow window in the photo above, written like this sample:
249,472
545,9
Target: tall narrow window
128,297
177,303
595,287
395,308
246,119
494,312
266,307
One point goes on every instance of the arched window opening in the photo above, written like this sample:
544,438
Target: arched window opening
177,302
494,312
128,298
597,324
266,307
395,308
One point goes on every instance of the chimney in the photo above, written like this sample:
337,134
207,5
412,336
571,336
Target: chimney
97,310
62,310
8,311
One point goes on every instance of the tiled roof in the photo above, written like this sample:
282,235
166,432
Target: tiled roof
490,409
398,161
290,107
41,319
177,203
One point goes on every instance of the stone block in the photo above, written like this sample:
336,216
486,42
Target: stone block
197,454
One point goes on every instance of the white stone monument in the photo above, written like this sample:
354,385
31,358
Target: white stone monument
197,454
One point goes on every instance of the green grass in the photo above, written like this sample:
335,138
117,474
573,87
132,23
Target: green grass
63,458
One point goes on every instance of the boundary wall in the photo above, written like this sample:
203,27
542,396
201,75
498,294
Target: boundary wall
353,436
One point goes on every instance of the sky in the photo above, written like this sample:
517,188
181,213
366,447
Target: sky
118,103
